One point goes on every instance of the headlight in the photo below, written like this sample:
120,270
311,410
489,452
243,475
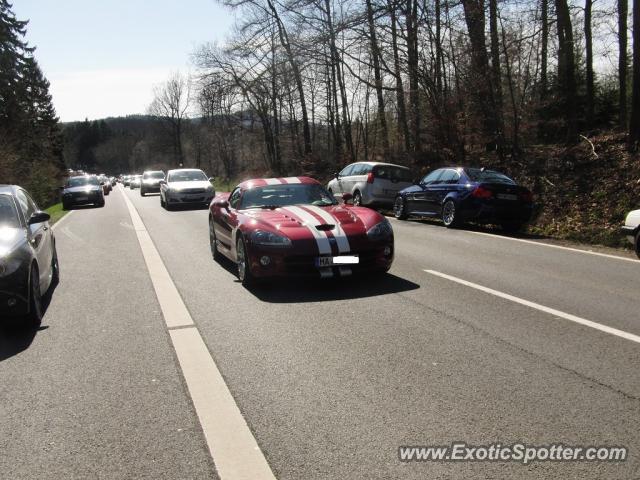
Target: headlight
269,239
380,231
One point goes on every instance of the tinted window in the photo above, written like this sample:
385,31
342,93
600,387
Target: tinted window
159,175
487,176
187,176
287,194
8,212
26,204
347,170
432,177
398,174
449,177
234,198
82,181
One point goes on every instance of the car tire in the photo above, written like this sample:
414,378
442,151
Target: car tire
400,209
55,267
142,192
450,216
33,319
213,242
637,243
100,203
66,206
162,202
357,199
244,269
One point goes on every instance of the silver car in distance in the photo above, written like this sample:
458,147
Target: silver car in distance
186,186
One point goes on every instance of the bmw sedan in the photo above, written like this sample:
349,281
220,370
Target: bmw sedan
293,227
28,258
186,186
82,190
458,195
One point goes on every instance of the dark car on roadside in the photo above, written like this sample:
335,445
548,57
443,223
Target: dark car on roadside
462,194
82,190
28,258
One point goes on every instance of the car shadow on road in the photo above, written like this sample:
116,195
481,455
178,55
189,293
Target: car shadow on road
15,337
472,227
302,291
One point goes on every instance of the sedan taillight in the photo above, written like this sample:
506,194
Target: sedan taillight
370,177
481,192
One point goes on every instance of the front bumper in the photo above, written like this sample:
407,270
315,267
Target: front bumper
629,232
152,187
83,199
299,264
178,198
14,297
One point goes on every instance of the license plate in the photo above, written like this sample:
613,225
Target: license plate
340,260
507,196
82,199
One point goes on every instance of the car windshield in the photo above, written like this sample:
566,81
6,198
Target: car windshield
187,176
272,196
487,176
156,175
82,181
8,213
398,174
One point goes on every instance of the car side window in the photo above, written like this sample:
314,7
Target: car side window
234,198
449,177
346,171
431,177
27,205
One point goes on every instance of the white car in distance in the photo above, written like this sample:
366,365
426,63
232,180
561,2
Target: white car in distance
186,186
631,229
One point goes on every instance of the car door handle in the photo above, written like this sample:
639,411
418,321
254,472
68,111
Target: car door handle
45,228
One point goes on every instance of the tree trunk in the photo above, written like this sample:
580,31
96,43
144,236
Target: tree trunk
544,47
588,38
375,54
496,72
623,12
411,15
402,108
567,69
634,132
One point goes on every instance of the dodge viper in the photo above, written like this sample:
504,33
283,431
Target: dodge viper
293,226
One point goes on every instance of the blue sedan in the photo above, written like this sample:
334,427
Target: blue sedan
459,194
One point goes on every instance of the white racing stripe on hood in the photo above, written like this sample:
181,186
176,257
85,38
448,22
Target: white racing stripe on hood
309,221
291,180
338,232
272,181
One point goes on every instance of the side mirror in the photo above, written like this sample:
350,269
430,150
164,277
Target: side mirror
211,179
416,181
347,197
221,204
39,217
163,182
101,183
336,175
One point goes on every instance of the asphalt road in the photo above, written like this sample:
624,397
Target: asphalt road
331,378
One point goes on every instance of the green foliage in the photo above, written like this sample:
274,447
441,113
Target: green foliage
56,211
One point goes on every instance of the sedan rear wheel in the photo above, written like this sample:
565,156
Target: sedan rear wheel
449,214
357,199
244,269
34,317
638,244
399,209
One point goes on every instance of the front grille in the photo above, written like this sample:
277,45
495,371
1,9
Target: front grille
192,190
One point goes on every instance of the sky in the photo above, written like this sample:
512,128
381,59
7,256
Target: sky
104,57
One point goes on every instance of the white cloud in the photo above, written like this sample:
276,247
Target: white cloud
104,93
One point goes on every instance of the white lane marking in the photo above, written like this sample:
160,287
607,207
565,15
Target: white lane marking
309,221
65,230
291,180
542,308
272,181
338,232
542,244
232,446
55,225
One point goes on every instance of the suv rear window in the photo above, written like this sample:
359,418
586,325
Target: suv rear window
398,174
487,176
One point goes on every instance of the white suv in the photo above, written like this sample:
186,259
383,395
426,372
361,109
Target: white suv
371,183
631,229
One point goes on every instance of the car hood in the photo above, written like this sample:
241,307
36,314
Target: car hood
10,238
193,184
84,188
633,218
298,222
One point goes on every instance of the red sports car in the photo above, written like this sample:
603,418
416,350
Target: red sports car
294,227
